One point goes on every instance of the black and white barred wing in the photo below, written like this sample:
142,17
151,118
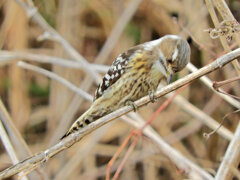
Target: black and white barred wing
116,71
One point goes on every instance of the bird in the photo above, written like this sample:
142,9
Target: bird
134,74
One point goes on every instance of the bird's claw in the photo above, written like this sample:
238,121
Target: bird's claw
132,104
151,96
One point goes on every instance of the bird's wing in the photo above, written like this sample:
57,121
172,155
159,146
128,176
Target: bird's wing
117,69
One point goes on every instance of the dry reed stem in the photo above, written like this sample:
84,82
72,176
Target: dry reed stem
54,76
69,141
231,158
16,138
50,33
7,57
13,132
9,148
14,32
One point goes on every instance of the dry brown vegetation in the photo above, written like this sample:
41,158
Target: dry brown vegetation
36,110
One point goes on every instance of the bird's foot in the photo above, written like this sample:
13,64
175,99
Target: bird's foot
151,96
132,104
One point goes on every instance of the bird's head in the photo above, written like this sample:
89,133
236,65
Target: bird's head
174,54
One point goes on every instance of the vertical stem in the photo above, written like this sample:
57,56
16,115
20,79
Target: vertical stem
231,158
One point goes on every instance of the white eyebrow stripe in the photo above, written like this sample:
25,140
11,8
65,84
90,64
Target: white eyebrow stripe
175,54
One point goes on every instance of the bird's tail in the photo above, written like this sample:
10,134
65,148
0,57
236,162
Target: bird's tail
88,117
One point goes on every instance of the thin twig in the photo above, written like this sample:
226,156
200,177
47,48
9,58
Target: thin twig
116,155
207,135
57,78
129,151
209,84
217,85
7,57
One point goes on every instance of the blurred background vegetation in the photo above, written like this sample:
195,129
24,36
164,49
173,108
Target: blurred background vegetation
37,104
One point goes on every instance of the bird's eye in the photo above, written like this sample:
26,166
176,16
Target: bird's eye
169,61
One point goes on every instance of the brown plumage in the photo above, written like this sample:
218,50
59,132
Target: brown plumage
134,74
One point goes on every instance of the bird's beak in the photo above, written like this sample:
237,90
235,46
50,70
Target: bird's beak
169,78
